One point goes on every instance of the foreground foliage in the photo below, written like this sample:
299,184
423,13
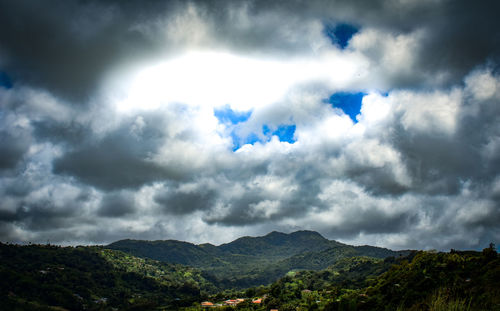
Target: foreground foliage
44,277
422,281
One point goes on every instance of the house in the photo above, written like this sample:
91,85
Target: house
258,300
231,302
207,304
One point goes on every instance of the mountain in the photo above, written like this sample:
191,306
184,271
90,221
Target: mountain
250,261
275,245
278,244
170,251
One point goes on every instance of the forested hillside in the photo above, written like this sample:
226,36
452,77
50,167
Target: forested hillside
429,281
43,277
337,278
251,261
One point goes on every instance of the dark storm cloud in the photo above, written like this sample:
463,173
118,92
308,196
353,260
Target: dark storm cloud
117,204
439,163
186,202
372,221
121,158
18,187
12,148
43,215
66,132
239,211
293,198
377,180
15,140
40,216
66,46
468,30
108,165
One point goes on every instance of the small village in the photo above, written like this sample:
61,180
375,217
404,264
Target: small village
231,302
256,303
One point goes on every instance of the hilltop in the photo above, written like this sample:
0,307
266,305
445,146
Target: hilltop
250,261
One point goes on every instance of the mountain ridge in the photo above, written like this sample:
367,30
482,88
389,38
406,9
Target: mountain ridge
248,261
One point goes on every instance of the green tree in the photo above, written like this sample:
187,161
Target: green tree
490,252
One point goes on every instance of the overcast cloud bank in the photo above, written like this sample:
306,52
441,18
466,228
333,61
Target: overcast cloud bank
205,121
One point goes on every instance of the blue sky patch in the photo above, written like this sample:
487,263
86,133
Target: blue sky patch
350,103
238,142
340,34
5,80
227,115
284,132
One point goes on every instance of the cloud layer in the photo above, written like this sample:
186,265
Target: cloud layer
205,121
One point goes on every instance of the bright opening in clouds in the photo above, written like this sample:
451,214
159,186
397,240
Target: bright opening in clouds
372,122
211,79
217,79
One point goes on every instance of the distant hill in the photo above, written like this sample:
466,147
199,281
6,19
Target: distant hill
250,261
170,251
278,244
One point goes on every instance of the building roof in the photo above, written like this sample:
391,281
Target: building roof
207,303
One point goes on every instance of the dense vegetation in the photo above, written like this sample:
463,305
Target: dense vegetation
171,275
420,281
252,261
326,276
35,277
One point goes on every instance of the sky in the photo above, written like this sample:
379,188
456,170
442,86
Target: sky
371,122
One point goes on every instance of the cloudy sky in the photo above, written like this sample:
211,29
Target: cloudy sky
371,122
